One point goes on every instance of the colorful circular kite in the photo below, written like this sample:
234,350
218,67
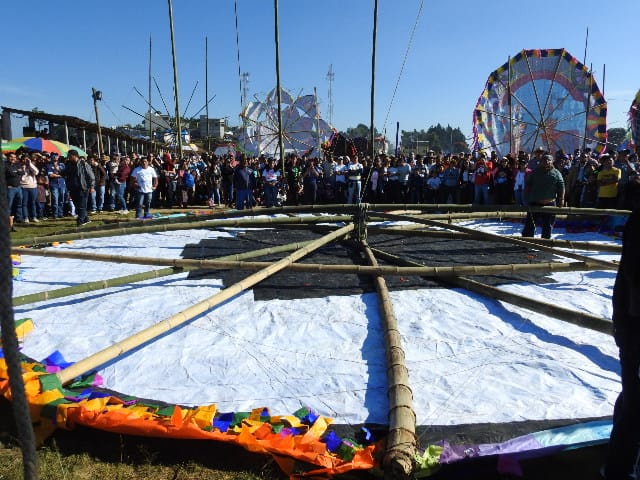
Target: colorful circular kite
303,130
540,98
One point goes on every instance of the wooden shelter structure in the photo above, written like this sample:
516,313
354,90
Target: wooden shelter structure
113,140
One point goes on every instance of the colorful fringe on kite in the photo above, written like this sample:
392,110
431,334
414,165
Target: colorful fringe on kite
300,443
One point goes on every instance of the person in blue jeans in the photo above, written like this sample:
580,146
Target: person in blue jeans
13,173
146,181
57,185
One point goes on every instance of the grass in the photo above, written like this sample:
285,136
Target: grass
53,226
85,453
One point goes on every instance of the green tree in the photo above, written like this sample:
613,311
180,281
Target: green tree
361,130
436,138
616,135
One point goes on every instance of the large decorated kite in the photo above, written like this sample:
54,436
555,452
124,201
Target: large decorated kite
540,98
303,130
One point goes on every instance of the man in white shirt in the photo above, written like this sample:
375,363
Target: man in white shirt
146,181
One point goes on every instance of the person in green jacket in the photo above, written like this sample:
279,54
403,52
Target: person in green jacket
543,187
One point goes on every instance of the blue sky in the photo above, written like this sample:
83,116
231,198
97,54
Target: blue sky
60,50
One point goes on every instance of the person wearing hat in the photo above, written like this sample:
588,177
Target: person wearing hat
544,187
81,182
536,158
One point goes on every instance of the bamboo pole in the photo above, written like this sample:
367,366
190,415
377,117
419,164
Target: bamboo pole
168,227
420,231
447,207
401,444
139,277
492,237
154,331
93,286
570,316
319,268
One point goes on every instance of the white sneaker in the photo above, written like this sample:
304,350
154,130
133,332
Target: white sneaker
26,220
35,220
124,212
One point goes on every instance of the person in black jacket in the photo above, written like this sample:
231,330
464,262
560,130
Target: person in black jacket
624,444
14,170
81,183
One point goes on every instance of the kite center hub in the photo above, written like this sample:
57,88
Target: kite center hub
360,221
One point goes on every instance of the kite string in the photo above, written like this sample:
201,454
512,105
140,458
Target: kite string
404,61
235,7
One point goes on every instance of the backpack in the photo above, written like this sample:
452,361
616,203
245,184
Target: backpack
188,180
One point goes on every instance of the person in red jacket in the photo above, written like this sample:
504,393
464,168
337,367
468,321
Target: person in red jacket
482,179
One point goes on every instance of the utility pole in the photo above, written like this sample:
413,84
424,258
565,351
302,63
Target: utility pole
330,77
97,95
175,83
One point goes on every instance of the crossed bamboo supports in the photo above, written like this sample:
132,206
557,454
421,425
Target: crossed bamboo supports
401,440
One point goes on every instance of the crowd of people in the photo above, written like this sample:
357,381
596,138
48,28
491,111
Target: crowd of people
49,186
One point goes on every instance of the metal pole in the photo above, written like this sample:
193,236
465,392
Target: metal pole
149,102
175,83
373,74
97,96
280,142
206,88
66,133
510,108
586,115
84,139
315,96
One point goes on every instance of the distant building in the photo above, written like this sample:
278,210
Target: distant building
216,127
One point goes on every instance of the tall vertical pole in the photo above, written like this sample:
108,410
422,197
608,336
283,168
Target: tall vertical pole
149,100
206,87
586,42
604,76
511,149
586,115
96,96
175,83
373,76
397,137
277,34
330,77
315,96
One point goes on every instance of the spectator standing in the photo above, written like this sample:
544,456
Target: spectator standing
544,187
481,182
121,181
518,182
100,175
608,180
13,173
57,185
624,444
146,181
340,180
29,185
354,179
310,177
450,182
271,179
228,174
80,181
243,185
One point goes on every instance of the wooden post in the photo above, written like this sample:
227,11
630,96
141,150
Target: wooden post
401,444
